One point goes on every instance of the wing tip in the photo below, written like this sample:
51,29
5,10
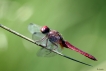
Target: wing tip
31,23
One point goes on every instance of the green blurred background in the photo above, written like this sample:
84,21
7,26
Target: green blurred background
81,22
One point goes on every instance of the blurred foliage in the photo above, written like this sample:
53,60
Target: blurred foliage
82,22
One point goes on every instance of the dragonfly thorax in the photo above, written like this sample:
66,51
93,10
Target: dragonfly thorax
54,36
45,30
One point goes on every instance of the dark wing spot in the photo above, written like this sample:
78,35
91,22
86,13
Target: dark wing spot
34,33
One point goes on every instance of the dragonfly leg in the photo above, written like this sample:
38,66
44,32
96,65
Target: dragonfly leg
46,42
41,39
46,46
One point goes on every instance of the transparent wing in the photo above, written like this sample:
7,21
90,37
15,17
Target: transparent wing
35,31
47,53
33,28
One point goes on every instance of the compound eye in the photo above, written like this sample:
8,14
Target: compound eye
45,29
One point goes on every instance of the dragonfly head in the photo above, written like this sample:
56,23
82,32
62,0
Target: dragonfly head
45,30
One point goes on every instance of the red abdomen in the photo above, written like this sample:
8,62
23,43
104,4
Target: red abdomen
70,46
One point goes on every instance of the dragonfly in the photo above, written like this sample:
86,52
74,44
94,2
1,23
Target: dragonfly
52,40
48,42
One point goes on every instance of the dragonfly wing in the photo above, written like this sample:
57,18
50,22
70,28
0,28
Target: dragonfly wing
47,53
35,31
33,28
37,36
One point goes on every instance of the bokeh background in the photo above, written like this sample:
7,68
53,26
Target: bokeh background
81,22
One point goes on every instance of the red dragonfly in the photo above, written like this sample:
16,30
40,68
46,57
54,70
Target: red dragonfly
52,40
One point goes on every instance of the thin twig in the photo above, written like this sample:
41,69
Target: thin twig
32,41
